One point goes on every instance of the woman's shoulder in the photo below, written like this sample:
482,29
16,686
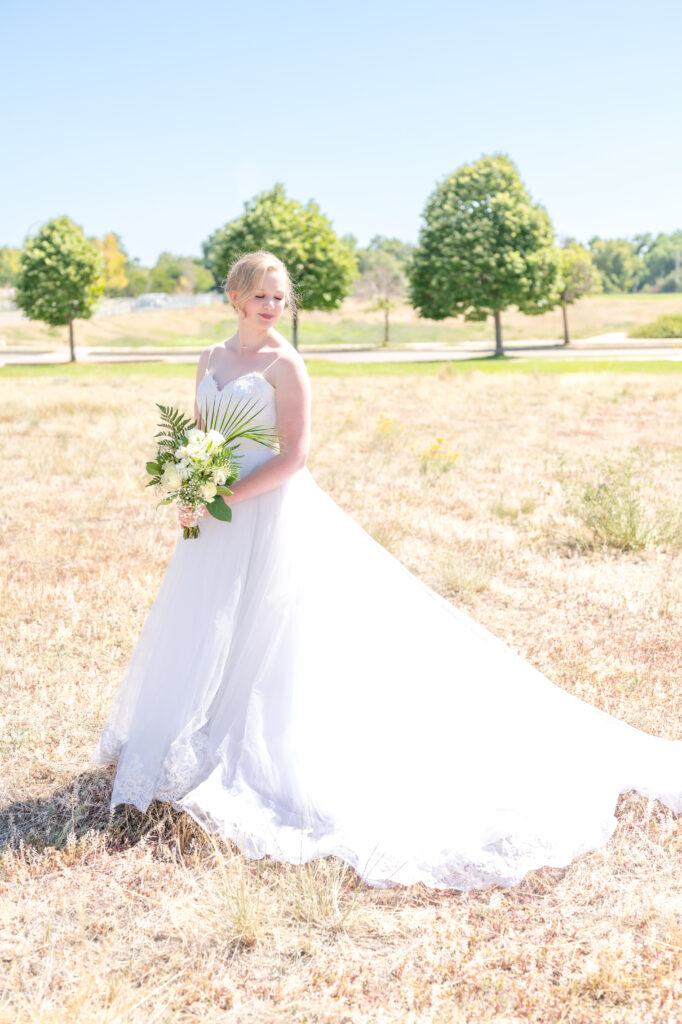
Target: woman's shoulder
289,364
206,354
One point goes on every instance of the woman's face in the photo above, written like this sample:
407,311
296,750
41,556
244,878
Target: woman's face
266,305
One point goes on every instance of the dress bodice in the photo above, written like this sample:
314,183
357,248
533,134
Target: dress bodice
249,390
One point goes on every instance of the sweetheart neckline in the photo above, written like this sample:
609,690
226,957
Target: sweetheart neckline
251,373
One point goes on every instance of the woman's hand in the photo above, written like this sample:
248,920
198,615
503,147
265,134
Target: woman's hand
189,518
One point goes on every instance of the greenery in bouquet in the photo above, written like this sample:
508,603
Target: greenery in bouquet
196,466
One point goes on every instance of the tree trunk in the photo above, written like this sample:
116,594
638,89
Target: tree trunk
295,329
385,341
71,347
499,351
567,340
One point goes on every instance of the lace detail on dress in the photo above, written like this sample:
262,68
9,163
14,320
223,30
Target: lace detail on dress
108,746
183,766
133,784
246,381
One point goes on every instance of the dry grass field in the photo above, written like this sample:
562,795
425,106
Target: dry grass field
488,487
351,324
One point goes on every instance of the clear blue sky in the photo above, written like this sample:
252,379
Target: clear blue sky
158,120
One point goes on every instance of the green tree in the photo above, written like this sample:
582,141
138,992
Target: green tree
166,273
484,246
662,262
210,249
618,262
179,274
401,251
383,283
10,264
578,276
322,266
350,241
197,276
138,277
642,243
61,276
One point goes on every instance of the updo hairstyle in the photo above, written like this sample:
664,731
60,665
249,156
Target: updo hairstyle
246,276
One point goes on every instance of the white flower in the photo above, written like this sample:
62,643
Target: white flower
195,435
214,439
171,478
208,491
182,452
197,450
219,477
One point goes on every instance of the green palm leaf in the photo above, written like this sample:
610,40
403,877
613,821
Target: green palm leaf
233,419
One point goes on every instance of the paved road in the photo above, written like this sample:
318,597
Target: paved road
608,346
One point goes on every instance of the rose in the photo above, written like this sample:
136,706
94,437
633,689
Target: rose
219,477
197,450
208,491
171,478
213,439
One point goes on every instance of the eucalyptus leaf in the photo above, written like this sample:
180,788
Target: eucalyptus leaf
219,510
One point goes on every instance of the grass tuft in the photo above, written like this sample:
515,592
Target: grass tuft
611,513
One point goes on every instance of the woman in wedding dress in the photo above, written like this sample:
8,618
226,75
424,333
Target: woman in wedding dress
297,690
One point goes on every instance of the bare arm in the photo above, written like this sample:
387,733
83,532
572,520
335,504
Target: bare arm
201,370
292,394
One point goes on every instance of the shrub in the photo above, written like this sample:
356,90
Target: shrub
613,515
668,326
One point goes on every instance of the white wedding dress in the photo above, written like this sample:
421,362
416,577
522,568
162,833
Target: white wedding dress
298,690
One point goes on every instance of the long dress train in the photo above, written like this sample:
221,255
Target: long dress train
296,689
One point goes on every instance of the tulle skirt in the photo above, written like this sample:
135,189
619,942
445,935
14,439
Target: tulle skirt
297,690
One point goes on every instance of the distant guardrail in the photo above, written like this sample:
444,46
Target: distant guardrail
156,300
140,303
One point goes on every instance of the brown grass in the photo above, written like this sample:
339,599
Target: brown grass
142,917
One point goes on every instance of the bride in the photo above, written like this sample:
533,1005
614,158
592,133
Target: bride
297,690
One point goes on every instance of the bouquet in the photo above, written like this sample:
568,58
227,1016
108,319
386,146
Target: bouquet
196,467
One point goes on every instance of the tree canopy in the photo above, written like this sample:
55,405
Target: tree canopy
618,262
61,276
578,276
484,246
10,265
321,265
400,251
662,258
182,274
115,260
383,282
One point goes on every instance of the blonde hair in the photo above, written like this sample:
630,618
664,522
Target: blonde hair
246,276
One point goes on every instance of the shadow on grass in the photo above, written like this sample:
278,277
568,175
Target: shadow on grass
81,808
